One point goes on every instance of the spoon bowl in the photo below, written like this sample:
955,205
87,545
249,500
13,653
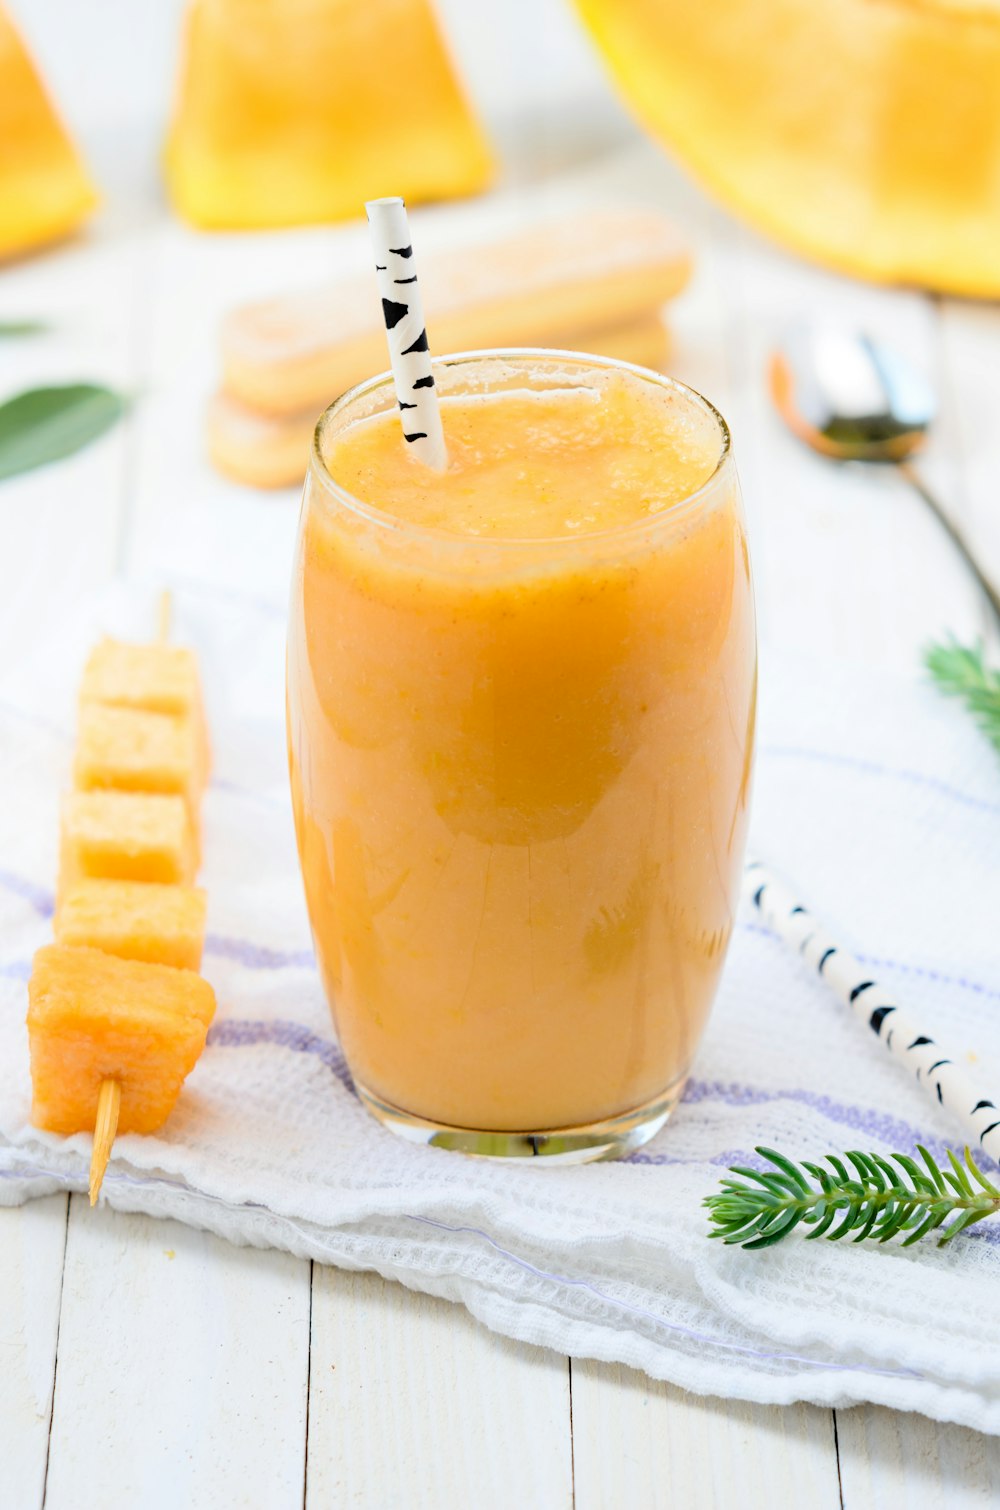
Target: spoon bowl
849,397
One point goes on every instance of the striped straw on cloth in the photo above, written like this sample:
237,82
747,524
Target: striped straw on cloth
976,1114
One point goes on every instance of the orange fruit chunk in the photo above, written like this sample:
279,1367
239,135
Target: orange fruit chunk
92,1017
135,920
128,749
127,836
158,677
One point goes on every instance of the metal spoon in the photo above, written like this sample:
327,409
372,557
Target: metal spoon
855,400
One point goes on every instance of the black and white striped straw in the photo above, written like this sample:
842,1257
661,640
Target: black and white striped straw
904,1038
402,309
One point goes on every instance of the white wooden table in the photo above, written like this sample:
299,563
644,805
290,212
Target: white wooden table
147,1365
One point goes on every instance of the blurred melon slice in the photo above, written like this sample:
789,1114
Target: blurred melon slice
296,111
863,133
44,189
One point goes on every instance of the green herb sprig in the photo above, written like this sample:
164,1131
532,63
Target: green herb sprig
961,671
871,1200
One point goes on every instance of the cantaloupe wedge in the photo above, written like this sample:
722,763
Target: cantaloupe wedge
126,836
94,1018
162,925
45,191
863,133
294,111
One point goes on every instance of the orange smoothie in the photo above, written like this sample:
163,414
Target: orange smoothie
520,711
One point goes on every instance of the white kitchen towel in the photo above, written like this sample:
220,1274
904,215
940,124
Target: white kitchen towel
880,802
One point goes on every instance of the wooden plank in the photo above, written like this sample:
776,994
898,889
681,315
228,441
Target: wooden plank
970,379
61,523
182,1369
32,1243
640,1442
187,523
849,561
890,1460
412,1404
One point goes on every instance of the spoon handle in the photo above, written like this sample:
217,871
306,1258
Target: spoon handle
955,536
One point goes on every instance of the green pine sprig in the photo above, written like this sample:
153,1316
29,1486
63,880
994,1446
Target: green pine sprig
871,1200
961,671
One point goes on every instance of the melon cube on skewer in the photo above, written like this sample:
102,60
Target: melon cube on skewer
128,749
126,836
92,1018
158,677
135,920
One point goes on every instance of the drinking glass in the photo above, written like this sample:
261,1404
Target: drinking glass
520,773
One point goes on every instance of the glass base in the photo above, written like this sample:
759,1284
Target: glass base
611,1139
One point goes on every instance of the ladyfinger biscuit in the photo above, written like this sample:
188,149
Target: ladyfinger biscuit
271,451
592,269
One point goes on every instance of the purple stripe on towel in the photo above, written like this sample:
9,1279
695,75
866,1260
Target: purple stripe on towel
254,956
660,1321
258,956
872,1124
873,768
239,1033
38,897
882,962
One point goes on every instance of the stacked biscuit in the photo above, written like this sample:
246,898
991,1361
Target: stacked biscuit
595,281
117,1015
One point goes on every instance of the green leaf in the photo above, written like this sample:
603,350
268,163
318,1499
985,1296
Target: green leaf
886,1168
824,1222
46,424
794,1176
965,1220
977,1174
934,1219
21,328
961,671
961,1178
932,1168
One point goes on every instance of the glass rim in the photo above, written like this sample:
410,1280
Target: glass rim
404,528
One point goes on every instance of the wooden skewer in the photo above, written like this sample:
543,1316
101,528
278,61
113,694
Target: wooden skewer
109,1102
165,615
109,1098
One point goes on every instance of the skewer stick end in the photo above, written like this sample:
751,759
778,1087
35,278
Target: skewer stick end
164,616
109,1103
